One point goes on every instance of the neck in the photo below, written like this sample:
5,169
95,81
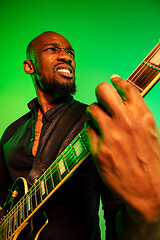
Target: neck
48,101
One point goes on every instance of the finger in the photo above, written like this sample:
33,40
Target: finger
133,98
99,118
92,137
109,98
126,90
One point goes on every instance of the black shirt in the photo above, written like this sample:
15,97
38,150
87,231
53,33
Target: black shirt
73,209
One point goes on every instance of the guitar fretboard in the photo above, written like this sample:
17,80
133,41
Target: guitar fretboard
46,185
147,73
144,78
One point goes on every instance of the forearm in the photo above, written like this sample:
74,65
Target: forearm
128,228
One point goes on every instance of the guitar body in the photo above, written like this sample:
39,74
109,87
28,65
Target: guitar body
26,229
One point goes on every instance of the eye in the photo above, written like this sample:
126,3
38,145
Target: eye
52,49
71,54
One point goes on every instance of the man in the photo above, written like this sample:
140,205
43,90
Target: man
125,144
72,211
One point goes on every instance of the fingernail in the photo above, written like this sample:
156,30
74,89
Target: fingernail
114,76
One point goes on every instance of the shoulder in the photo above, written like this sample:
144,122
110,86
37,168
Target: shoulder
81,107
13,127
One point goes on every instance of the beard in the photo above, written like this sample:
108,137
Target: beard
54,87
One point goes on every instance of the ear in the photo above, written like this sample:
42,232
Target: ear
28,67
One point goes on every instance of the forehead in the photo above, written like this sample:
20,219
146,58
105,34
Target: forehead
50,38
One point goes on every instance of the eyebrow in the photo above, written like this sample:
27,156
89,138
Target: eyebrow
58,46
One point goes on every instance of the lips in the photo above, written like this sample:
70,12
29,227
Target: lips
65,70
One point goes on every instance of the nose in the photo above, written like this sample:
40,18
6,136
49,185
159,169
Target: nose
63,56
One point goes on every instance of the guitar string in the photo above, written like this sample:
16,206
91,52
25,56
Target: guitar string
152,71
137,75
142,72
13,213
54,168
152,53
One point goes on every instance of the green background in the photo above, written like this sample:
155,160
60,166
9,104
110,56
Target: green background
108,37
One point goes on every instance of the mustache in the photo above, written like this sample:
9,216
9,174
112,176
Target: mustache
65,65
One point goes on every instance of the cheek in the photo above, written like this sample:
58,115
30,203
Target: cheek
74,64
46,67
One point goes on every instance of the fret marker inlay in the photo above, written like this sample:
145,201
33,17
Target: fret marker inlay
61,166
29,203
43,187
78,148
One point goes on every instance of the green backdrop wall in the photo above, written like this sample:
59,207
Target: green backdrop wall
108,37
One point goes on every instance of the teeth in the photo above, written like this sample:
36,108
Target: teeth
63,70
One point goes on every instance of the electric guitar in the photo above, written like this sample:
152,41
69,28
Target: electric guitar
23,202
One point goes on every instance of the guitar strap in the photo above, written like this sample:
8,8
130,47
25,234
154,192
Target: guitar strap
53,139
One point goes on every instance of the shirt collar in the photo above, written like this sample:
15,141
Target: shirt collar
33,105
50,114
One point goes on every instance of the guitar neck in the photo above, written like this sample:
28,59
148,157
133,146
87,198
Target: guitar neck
147,73
144,78
59,171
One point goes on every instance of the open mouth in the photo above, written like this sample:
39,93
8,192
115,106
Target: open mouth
65,70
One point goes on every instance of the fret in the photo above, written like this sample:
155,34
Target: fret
70,159
146,77
149,64
156,59
33,197
61,166
10,225
49,181
25,209
22,211
14,219
78,148
68,152
56,176
38,193
147,73
18,214
46,185
65,161
29,203
15,216
84,141
155,52
43,188
75,160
